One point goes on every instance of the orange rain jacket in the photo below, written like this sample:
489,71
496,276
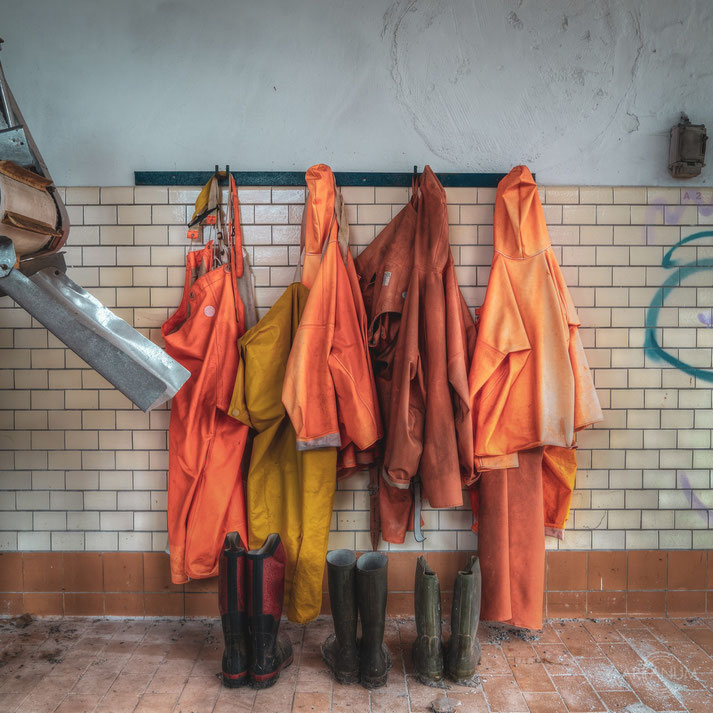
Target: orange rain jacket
329,390
530,391
422,338
530,384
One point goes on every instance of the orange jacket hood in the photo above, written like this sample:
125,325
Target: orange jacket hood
522,231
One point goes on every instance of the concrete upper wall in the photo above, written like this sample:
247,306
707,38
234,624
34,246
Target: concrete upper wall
583,91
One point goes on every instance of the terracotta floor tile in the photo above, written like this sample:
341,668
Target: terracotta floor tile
503,694
618,700
167,683
653,693
557,659
532,678
602,674
118,703
545,702
623,657
94,682
548,635
383,700
671,668
493,661
135,683
692,657
78,703
235,700
603,631
518,651
273,700
472,700
169,665
702,637
578,694
311,703
664,630
157,703
577,639
349,699
697,701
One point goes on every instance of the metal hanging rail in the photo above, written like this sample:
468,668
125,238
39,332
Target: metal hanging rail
297,178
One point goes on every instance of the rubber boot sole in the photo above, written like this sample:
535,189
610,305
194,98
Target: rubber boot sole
269,679
234,680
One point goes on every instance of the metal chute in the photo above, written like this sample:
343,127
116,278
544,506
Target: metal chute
33,227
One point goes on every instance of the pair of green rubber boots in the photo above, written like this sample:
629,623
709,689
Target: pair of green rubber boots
357,589
431,658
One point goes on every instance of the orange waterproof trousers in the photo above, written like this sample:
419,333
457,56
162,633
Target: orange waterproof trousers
205,445
511,542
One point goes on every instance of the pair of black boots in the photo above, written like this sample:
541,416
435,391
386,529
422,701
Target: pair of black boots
430,656
357,589
251,589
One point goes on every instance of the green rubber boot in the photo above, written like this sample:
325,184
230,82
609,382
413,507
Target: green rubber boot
428,647
374,658
464,648
340,651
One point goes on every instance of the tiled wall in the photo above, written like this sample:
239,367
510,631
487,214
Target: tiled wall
577,584
83,470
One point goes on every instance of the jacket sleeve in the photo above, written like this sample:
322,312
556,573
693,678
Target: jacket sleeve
501,350
308,392
587,409
404,443
350,368
460,339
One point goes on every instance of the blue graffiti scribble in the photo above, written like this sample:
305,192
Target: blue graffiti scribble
674,213
651,345
706,319
696,502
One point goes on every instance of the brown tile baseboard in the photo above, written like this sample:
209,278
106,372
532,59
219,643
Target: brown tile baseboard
577,584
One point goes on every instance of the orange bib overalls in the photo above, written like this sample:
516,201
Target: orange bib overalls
205,445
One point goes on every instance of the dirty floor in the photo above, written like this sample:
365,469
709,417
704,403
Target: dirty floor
169,666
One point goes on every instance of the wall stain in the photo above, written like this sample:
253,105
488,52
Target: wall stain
514,21
443,96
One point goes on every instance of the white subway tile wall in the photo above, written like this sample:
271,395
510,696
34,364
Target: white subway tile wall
81,469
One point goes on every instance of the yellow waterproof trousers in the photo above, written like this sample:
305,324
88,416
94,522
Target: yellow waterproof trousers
289,492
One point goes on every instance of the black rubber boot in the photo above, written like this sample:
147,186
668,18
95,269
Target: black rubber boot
340,650
266,578
233,611
428,647
464,648
374,658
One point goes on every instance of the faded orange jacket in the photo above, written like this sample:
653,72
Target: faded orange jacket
422,338
329,390
530,384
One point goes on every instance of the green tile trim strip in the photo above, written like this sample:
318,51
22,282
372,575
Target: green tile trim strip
297,178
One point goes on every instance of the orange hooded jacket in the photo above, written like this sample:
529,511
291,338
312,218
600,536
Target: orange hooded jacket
530,384
530,391
329,390
422,338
